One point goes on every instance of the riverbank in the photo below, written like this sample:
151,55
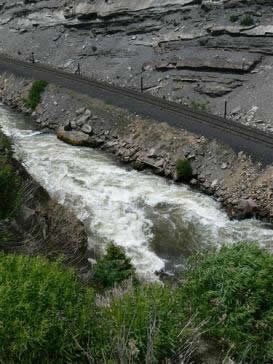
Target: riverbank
242,186
31,222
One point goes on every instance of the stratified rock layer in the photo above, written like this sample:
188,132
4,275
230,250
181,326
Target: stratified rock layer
195,52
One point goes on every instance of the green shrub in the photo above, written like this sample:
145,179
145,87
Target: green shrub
232,290
184,170
45,313
113,268
247,20
34,96
199,105
141,325
10,189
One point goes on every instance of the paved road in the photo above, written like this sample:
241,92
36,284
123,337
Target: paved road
239,137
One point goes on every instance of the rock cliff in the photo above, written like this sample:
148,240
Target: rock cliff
195,52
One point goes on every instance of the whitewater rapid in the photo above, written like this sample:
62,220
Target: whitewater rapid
159,223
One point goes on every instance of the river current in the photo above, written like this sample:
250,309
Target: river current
158,222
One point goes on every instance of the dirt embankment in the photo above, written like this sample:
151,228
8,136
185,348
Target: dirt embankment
243,187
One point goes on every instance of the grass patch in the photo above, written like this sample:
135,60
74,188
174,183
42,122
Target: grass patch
247,20
45,313
184,170
140,324
34,96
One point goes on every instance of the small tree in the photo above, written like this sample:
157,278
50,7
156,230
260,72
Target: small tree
113,268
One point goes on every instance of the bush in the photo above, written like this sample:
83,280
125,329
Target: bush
45,313
34,96
247,20
11,195
184,170
199,105
141,324
113,268
232,290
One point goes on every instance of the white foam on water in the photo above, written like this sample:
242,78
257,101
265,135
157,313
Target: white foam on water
113,201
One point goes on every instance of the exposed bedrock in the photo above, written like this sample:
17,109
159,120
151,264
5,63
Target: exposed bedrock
196,52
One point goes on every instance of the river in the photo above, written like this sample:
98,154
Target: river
158,222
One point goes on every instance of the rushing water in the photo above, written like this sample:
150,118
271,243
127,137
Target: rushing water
158,222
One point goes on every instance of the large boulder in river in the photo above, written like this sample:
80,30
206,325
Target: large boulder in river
73,137
79,138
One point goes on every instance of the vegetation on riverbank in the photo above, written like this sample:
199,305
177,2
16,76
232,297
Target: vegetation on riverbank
184,170
10,182
46,312
34,95
104,314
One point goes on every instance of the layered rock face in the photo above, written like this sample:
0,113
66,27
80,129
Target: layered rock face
196,52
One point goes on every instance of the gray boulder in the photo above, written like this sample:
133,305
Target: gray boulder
73,137
87,129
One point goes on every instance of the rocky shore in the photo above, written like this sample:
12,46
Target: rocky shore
242,186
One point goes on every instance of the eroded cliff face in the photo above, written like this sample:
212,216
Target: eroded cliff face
190,51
